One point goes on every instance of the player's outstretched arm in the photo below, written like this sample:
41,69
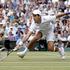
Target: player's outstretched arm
62,14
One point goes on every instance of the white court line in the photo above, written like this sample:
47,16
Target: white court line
39,66
36,62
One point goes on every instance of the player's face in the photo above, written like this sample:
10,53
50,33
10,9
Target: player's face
37,18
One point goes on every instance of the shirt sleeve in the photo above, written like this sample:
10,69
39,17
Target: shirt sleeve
49,18
31,28
34,28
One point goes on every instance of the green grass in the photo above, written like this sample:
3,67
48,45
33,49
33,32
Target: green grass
36,61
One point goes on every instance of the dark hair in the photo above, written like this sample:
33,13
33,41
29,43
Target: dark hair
36,15
1,6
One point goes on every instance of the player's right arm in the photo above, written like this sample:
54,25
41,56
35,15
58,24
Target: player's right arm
27,36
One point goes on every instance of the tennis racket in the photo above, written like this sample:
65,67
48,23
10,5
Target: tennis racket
4,54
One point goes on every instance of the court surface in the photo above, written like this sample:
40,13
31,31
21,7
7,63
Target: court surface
36,61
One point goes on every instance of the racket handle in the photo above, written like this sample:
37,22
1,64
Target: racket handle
9,52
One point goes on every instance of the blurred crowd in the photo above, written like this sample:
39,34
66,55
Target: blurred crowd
16,17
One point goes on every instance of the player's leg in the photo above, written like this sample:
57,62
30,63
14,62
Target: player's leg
35,39
22,50
61,51
30,44
50,45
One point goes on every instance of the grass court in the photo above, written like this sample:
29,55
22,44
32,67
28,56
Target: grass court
36,61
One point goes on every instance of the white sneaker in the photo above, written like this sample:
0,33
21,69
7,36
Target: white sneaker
63,57
22,53
15,49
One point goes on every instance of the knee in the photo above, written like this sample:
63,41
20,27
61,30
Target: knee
38,36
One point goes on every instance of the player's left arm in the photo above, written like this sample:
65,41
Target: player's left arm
62,14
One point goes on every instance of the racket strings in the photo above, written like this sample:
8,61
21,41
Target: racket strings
4,54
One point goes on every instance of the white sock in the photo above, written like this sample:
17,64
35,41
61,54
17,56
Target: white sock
25,49
61,51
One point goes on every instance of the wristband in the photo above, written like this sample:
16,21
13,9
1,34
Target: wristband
67,13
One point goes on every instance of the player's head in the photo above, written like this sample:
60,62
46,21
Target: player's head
37,15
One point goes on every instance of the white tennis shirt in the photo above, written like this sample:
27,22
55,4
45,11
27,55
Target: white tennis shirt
44,26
